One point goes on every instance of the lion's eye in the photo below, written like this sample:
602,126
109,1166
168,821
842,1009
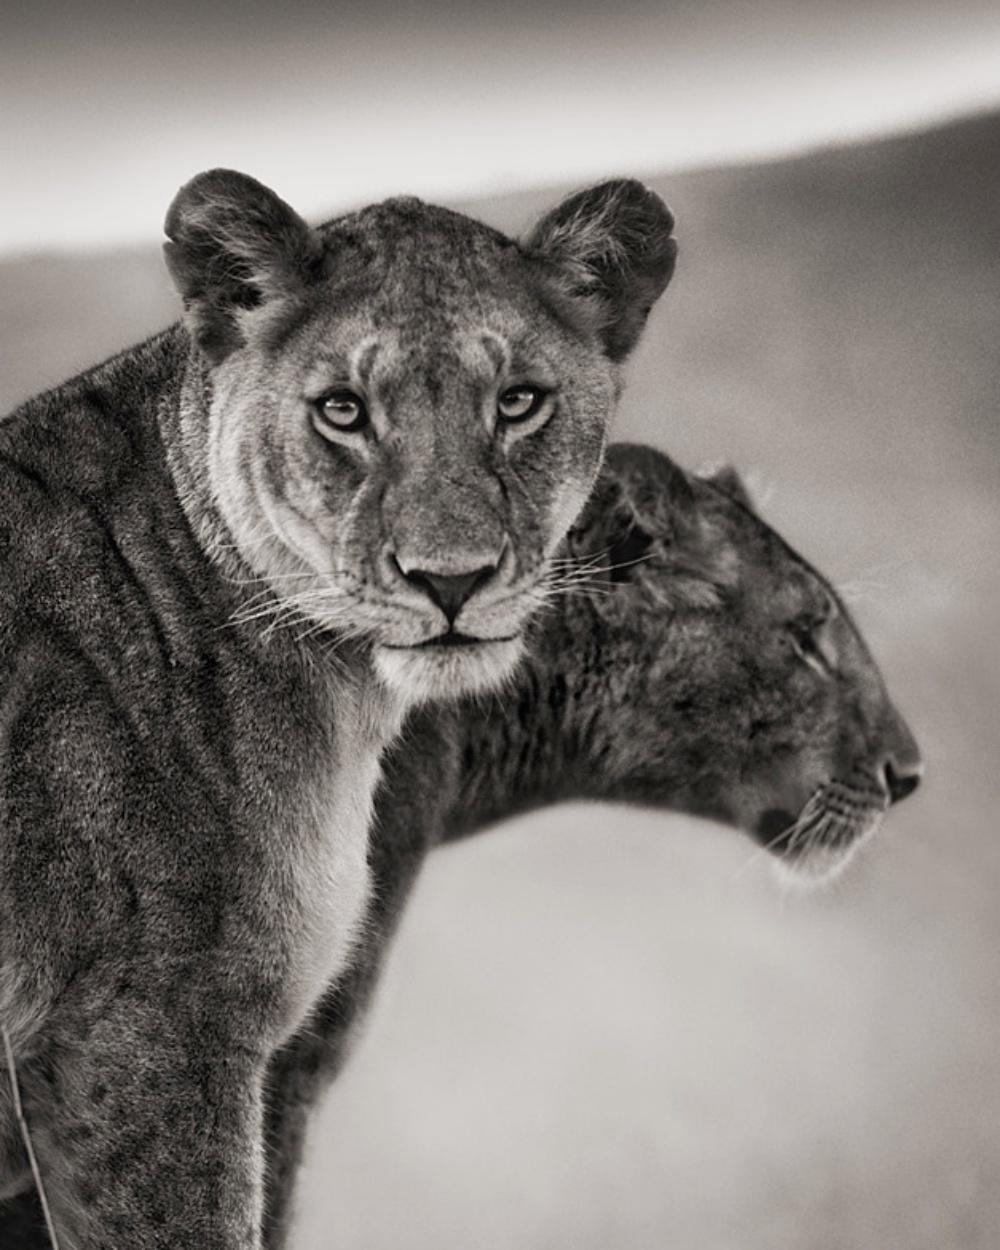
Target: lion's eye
808,641
341,410
518,403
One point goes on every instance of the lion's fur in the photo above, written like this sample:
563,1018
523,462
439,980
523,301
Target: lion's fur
428,315
664,678
189,746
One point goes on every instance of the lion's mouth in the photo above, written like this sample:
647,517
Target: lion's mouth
819,842
452,638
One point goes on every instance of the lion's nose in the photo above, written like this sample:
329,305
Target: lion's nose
902,763
449,591
901,780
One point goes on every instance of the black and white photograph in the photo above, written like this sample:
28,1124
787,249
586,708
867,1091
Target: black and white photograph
499,616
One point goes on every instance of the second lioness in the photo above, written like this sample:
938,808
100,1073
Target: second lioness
698,665
230,559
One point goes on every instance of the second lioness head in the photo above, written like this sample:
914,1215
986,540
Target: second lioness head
407,409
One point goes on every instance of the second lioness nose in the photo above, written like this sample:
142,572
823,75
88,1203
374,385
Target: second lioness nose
901,780
450,591
902,763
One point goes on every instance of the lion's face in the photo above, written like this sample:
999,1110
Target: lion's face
741,676
400,437
423,439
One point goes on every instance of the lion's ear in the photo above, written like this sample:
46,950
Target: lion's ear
608,539
643,526
233,245
728,480
640,491
611,245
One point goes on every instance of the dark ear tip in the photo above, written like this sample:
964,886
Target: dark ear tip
633,191
639,195
644,472
210,184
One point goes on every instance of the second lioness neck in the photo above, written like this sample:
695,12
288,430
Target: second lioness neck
528,748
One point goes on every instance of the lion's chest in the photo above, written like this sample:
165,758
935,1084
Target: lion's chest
330,883
325,875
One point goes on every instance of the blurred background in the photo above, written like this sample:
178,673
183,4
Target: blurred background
600,1027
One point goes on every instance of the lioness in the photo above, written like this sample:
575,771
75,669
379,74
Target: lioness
232,557
697,663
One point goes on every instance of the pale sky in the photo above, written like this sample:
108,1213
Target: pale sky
106,109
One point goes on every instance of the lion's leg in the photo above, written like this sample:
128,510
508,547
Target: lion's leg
301,1070
289,1103
148,1137
22,1224
297,1076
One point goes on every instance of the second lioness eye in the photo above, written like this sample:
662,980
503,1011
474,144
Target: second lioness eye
518,403
808,640
804,636
342,410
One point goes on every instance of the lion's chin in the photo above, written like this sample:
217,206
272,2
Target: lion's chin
814,869
439,673
820,863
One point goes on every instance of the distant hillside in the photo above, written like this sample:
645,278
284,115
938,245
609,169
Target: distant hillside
822,218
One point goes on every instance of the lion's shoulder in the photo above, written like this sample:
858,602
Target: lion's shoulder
80,438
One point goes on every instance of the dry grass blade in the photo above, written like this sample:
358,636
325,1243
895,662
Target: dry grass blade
22,1124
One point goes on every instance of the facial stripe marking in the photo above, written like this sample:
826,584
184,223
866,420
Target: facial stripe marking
496,350
364,361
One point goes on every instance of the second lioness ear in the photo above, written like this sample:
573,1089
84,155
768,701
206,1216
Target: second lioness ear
728,480
233,244
608,540
612,244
